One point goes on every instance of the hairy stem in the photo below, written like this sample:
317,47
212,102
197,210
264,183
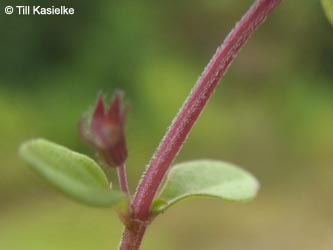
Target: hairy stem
121,170
132,236
188,115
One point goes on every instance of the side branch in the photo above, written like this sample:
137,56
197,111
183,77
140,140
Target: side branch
121,170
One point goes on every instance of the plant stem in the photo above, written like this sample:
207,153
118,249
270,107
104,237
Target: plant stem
188,115
132,236
121,170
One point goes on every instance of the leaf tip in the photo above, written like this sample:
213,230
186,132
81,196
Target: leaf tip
328,9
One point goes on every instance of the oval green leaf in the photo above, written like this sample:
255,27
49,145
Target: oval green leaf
75,174
207,179
328,9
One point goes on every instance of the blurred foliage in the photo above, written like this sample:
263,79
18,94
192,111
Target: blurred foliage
273,114
328,9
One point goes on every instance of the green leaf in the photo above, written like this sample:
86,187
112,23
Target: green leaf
328,8
75,174
207,179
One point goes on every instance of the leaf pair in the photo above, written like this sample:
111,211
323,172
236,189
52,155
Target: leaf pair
82,178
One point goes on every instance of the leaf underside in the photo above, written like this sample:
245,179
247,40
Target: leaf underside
75,174
206,179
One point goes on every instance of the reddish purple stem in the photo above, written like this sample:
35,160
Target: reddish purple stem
132,237
188,115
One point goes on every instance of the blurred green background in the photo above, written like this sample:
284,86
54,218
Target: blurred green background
272,114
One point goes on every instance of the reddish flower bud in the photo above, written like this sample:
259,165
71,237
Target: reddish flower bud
105,131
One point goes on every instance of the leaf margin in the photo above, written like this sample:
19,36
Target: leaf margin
327,6
160,205
106,196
